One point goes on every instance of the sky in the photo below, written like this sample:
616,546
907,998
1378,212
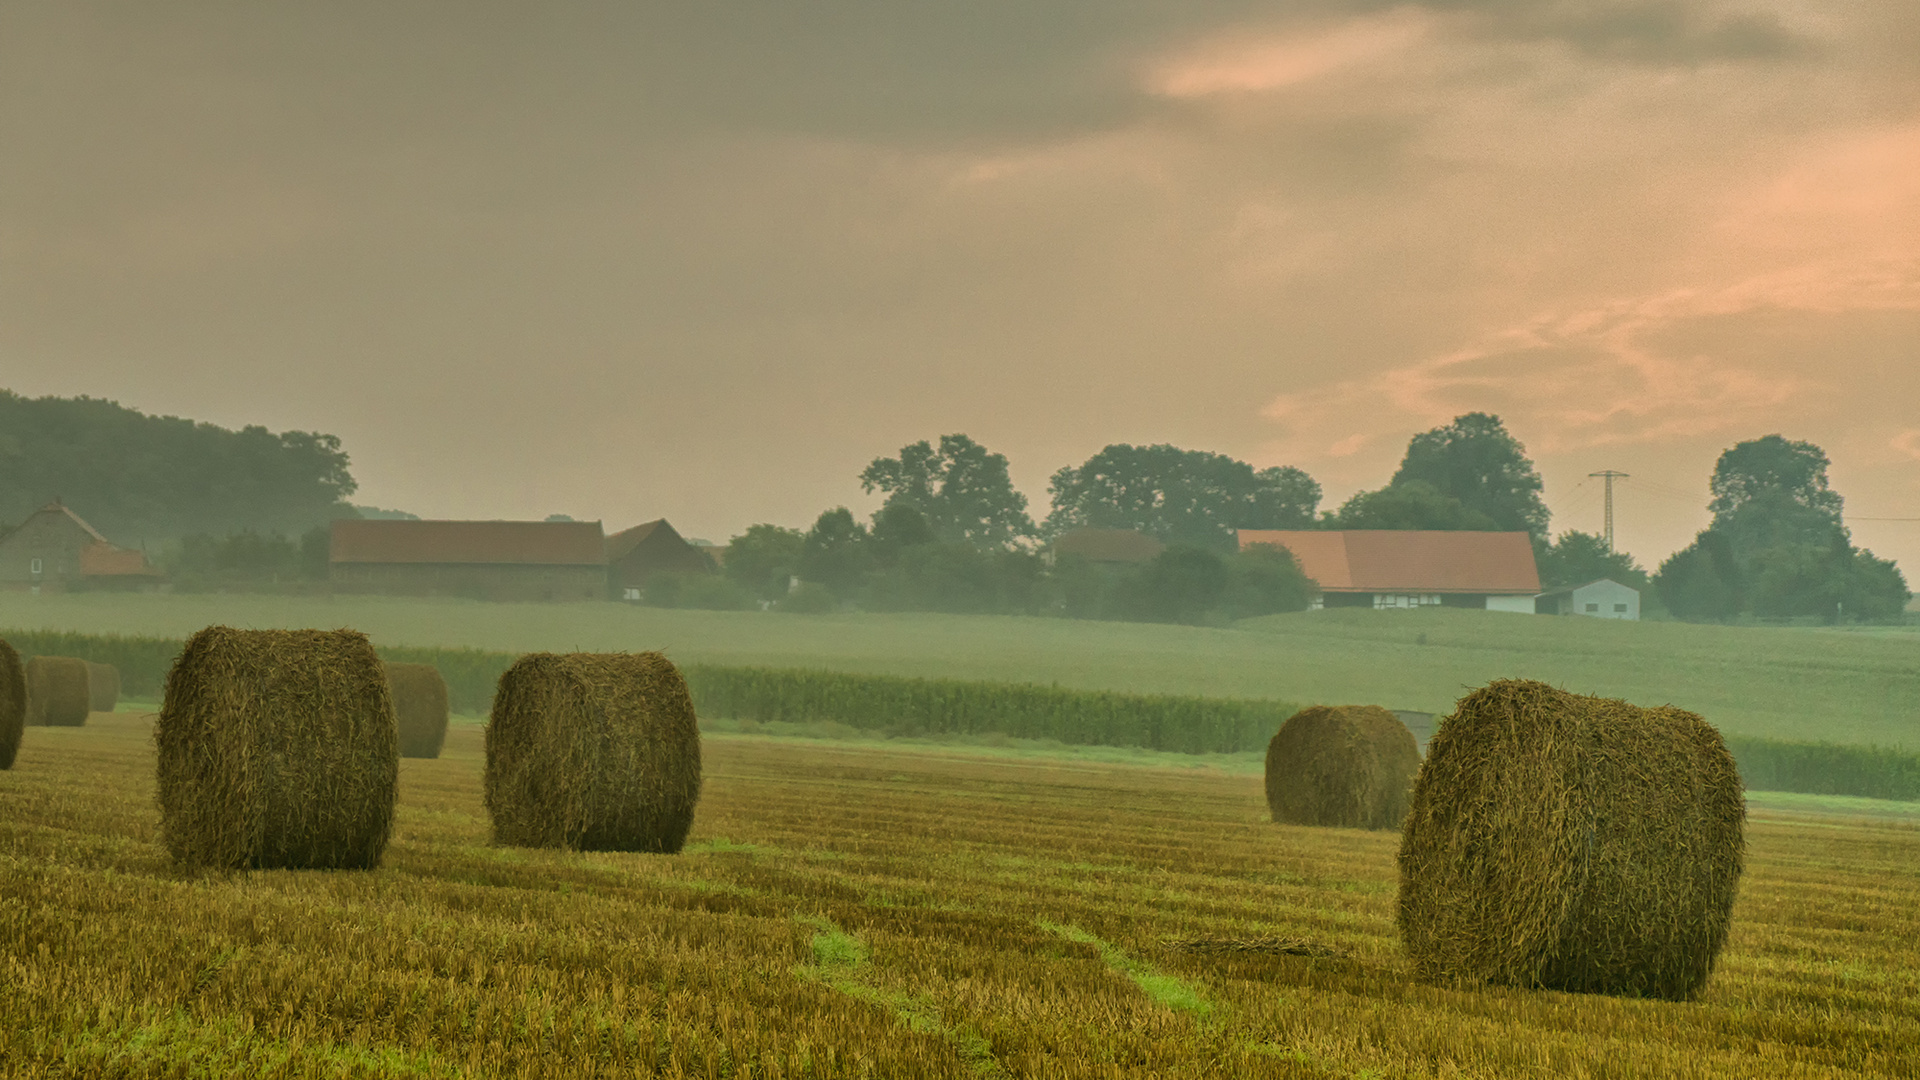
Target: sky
705,260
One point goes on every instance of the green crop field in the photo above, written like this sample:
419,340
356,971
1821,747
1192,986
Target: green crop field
1780,683
847,910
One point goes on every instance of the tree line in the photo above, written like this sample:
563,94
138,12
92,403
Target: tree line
154,479
241,508
952,534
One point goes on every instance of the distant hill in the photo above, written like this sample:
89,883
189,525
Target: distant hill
140,478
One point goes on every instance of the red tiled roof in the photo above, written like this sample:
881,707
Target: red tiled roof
101,559
1108,545
1409,560
540,543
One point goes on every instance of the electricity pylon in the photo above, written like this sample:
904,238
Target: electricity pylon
1610,476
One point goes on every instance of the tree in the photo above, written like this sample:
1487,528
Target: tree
763,559
1413,504
1773,466
834,553
1179,496
1577,558
1702,580
896,528
155,478
1771,492
962,490
1266,580
1476,461
958,577
1836,583
1181,584
1779,546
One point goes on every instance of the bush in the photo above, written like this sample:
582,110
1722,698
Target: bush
809,598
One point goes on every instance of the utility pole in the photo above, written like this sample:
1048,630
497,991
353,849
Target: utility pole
1610,475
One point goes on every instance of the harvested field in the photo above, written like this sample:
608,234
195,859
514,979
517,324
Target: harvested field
856,909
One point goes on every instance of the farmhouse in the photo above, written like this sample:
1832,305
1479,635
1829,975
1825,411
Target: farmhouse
484,560
1396,568
1603,599
1112,547
636,554
54,550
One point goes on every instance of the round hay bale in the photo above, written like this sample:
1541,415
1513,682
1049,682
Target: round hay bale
1347,766
57,694
103,686
277,749
1574,843
420,707
13,703
593,751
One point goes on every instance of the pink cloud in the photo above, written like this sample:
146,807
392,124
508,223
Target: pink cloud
1251,64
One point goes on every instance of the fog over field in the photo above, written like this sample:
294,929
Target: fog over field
705,261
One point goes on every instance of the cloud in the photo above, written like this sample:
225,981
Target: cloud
1241,65
752,244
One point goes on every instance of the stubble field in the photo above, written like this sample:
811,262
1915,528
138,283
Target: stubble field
851,910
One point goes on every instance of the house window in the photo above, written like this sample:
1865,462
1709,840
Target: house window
632,594
1390,601
1621,608
1593,607
33,566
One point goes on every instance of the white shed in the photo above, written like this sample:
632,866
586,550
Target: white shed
1603,599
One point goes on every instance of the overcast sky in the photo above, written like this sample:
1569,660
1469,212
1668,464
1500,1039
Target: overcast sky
705,259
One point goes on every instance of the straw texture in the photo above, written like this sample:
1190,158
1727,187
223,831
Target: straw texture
57,694
1571,843
103,687
276,749
13,703
420,707
1347,766
594,751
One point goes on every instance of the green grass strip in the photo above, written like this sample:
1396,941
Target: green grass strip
1161,987
896,706
841,961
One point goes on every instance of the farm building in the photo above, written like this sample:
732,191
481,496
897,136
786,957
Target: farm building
483,560
636,554
1109,546
1603,599
55,550
1409,568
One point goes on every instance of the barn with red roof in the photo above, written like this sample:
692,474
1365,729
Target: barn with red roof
1412,568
